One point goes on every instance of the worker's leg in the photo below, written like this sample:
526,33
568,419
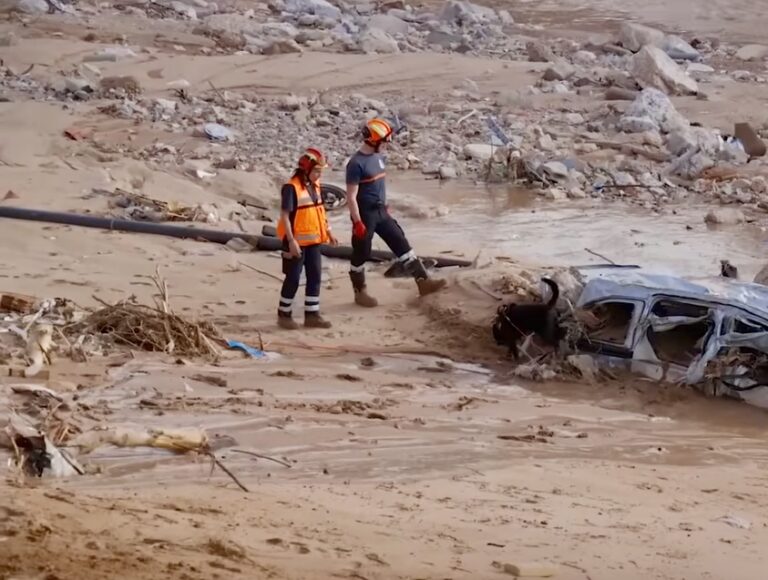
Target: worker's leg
313,264
361,252
292,270
394,236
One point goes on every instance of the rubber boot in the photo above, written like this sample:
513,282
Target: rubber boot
286,321
426,284
314,320
362,298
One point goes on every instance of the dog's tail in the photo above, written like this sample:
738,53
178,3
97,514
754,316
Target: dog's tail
555,291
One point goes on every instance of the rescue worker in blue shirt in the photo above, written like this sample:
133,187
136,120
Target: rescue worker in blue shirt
367,202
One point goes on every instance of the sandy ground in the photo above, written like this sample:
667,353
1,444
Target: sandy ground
428,461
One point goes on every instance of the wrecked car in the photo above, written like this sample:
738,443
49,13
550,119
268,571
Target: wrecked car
711,333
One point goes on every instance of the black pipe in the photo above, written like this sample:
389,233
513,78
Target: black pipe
270,231
377,255
263,243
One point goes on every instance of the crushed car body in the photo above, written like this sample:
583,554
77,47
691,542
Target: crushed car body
710,333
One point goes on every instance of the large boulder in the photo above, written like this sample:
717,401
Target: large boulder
376,41
652,110
651,67
634,36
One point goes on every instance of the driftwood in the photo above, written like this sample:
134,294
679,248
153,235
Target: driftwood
154,328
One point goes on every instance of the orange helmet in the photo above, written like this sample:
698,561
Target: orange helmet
312,158
376,132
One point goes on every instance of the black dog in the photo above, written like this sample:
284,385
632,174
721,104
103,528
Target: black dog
514,322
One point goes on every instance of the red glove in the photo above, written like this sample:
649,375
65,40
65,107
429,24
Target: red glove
359,230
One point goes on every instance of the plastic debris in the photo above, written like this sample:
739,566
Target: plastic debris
216,132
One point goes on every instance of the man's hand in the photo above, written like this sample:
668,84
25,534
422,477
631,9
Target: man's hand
359,230
294,249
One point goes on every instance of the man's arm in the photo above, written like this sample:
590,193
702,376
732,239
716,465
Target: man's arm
354,175
288,205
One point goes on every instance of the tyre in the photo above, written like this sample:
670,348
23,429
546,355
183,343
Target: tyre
333,196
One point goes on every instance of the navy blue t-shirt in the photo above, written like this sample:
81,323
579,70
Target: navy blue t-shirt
368,171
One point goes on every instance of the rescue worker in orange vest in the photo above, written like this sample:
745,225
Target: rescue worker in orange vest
367,202
303,228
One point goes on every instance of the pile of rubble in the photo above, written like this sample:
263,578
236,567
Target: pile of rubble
634,145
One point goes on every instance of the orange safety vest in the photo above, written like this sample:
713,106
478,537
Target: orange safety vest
309,223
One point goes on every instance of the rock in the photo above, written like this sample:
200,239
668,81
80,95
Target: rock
448,172
555,170
619,94
320,8
556,194
574,118
698,68
577,193
634,36
462,13
479,151
376,41
584,58
725,216
111,54
560,71
442,39
302,116
545,143
691,165
762,276
539,52
652,68
26,6
678,49
389,24
281,46
74,84
506,18
752,52
292,103
657,111
184,10
165,105
698,138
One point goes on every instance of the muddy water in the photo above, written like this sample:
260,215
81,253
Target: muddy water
412,418
516,223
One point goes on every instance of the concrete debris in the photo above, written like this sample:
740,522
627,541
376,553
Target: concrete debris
560,71
376,41
651,111
389,24
537,51
652,68
633,36
725,216
678,49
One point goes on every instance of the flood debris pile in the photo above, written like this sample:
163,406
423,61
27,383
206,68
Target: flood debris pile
139,207
154,328
611,130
